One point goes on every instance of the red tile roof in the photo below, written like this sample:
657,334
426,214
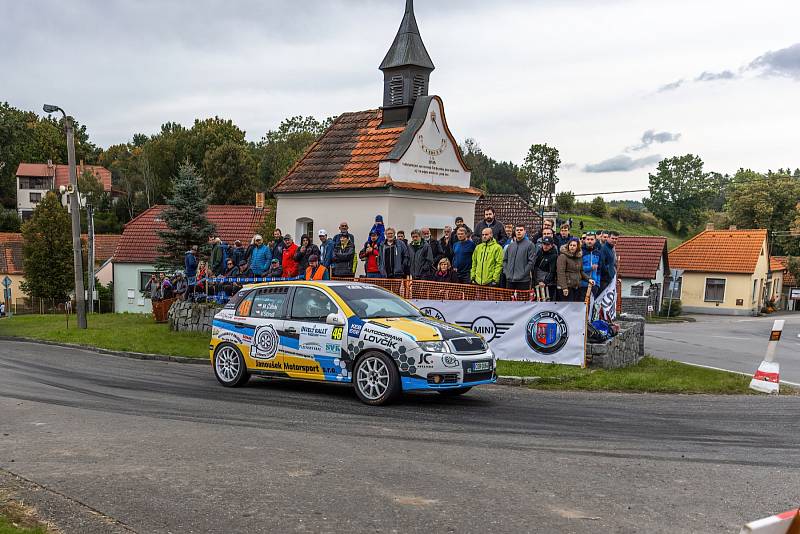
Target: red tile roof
347,156
140,241
508,208
781,263
640,256
61,173
104,245
720,251
10,253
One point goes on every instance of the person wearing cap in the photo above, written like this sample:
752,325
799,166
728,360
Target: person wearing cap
325,248
315,271
260,256
370,255
190,264
306,249
275,269
180,285
544,269
518,261
344,253
378,228
288,262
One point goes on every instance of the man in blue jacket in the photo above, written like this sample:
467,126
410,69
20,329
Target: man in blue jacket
190,266
608,260
462,255
591,262
261,256
325,248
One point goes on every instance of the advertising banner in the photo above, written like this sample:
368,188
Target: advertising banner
549,332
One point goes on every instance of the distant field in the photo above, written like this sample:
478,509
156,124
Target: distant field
596,223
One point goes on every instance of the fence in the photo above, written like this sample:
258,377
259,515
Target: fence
33,305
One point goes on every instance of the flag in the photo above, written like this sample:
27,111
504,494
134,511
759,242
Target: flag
605,306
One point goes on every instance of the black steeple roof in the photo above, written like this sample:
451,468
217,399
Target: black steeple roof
407,48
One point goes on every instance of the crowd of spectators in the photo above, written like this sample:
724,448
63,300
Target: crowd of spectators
557,265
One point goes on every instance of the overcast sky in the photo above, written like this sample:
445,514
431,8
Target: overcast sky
614,85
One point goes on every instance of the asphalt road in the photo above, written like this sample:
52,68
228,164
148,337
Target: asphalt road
126,445
733,343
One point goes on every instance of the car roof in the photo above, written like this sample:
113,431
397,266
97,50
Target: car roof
317,283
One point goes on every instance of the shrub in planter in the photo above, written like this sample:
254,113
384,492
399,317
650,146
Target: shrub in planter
674,311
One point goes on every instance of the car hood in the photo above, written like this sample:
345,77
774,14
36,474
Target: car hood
423,328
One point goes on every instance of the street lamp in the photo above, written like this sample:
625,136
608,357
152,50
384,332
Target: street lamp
80,298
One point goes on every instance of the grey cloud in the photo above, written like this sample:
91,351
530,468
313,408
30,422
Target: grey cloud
670,86
783,62
651,136
707,76
621,163
567,166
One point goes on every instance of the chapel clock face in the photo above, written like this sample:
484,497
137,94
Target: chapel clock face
433,140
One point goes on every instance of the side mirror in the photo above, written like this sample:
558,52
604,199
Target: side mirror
334,319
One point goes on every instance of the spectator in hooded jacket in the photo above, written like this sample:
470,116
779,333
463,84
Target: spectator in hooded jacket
570,274
290,265
325,248
343,254
489,221
420,257
260,257
445,272
394,259
378,228
304,252
544,267
518,261
463,249
370,255
591,262
487,260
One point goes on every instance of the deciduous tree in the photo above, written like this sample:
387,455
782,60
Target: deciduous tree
540,173
229,173
47,251
679,192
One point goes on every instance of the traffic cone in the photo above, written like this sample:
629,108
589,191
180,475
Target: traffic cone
767,377
785,523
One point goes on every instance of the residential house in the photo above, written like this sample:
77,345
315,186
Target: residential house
400,161
725,272
11,262
643,263
788,290
35,179
137,252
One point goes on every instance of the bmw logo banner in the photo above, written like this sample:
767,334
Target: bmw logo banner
550,332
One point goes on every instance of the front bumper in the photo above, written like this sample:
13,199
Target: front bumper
451,371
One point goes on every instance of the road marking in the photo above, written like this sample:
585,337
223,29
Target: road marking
732,337
735,372
659,331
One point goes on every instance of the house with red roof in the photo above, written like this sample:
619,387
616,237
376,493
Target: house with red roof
400,161
786,287
643,262
137,251
35,179
11,262
725,272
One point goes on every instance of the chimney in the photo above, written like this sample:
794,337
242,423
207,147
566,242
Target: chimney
732,227
259,201
709,226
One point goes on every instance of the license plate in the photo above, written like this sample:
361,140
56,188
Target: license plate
480,366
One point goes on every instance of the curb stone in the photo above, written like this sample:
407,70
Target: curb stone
122,354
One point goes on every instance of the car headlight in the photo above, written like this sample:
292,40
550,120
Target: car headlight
434,346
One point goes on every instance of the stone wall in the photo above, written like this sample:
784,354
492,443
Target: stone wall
635,305
191,317
624,349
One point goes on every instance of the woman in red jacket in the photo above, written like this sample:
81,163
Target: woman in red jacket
370,254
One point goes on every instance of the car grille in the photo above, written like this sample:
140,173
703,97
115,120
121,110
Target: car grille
477,377
468,345
447,378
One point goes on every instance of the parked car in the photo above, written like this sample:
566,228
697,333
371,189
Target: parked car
345,332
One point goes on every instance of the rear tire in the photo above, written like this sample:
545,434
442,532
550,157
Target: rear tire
229,366
453,392
376,379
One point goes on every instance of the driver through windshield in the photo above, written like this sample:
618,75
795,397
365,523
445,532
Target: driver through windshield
369,302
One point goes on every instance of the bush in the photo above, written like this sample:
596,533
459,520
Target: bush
9,220
625,214
565,201
674,311
598,207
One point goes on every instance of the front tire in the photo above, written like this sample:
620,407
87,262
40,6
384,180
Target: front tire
376,379
229,366
455,392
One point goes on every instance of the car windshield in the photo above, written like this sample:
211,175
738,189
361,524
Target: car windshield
369,302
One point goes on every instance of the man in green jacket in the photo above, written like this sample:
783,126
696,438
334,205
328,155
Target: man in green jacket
487,260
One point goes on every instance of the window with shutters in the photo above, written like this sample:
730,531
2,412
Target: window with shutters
396,90
418,87
715,290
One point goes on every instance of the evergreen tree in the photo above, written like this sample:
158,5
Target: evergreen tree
185,217
47,251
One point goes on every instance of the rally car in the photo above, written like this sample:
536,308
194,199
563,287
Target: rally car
346,332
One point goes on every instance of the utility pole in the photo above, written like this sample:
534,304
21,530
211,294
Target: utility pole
75,209
90,255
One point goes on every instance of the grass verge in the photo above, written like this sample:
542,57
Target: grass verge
651,375
591,222
127,332
15,519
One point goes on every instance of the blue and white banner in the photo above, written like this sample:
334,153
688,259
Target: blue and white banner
549,332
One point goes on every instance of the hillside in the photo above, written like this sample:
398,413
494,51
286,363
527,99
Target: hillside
626,228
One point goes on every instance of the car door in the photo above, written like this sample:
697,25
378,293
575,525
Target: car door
312,348
261,315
